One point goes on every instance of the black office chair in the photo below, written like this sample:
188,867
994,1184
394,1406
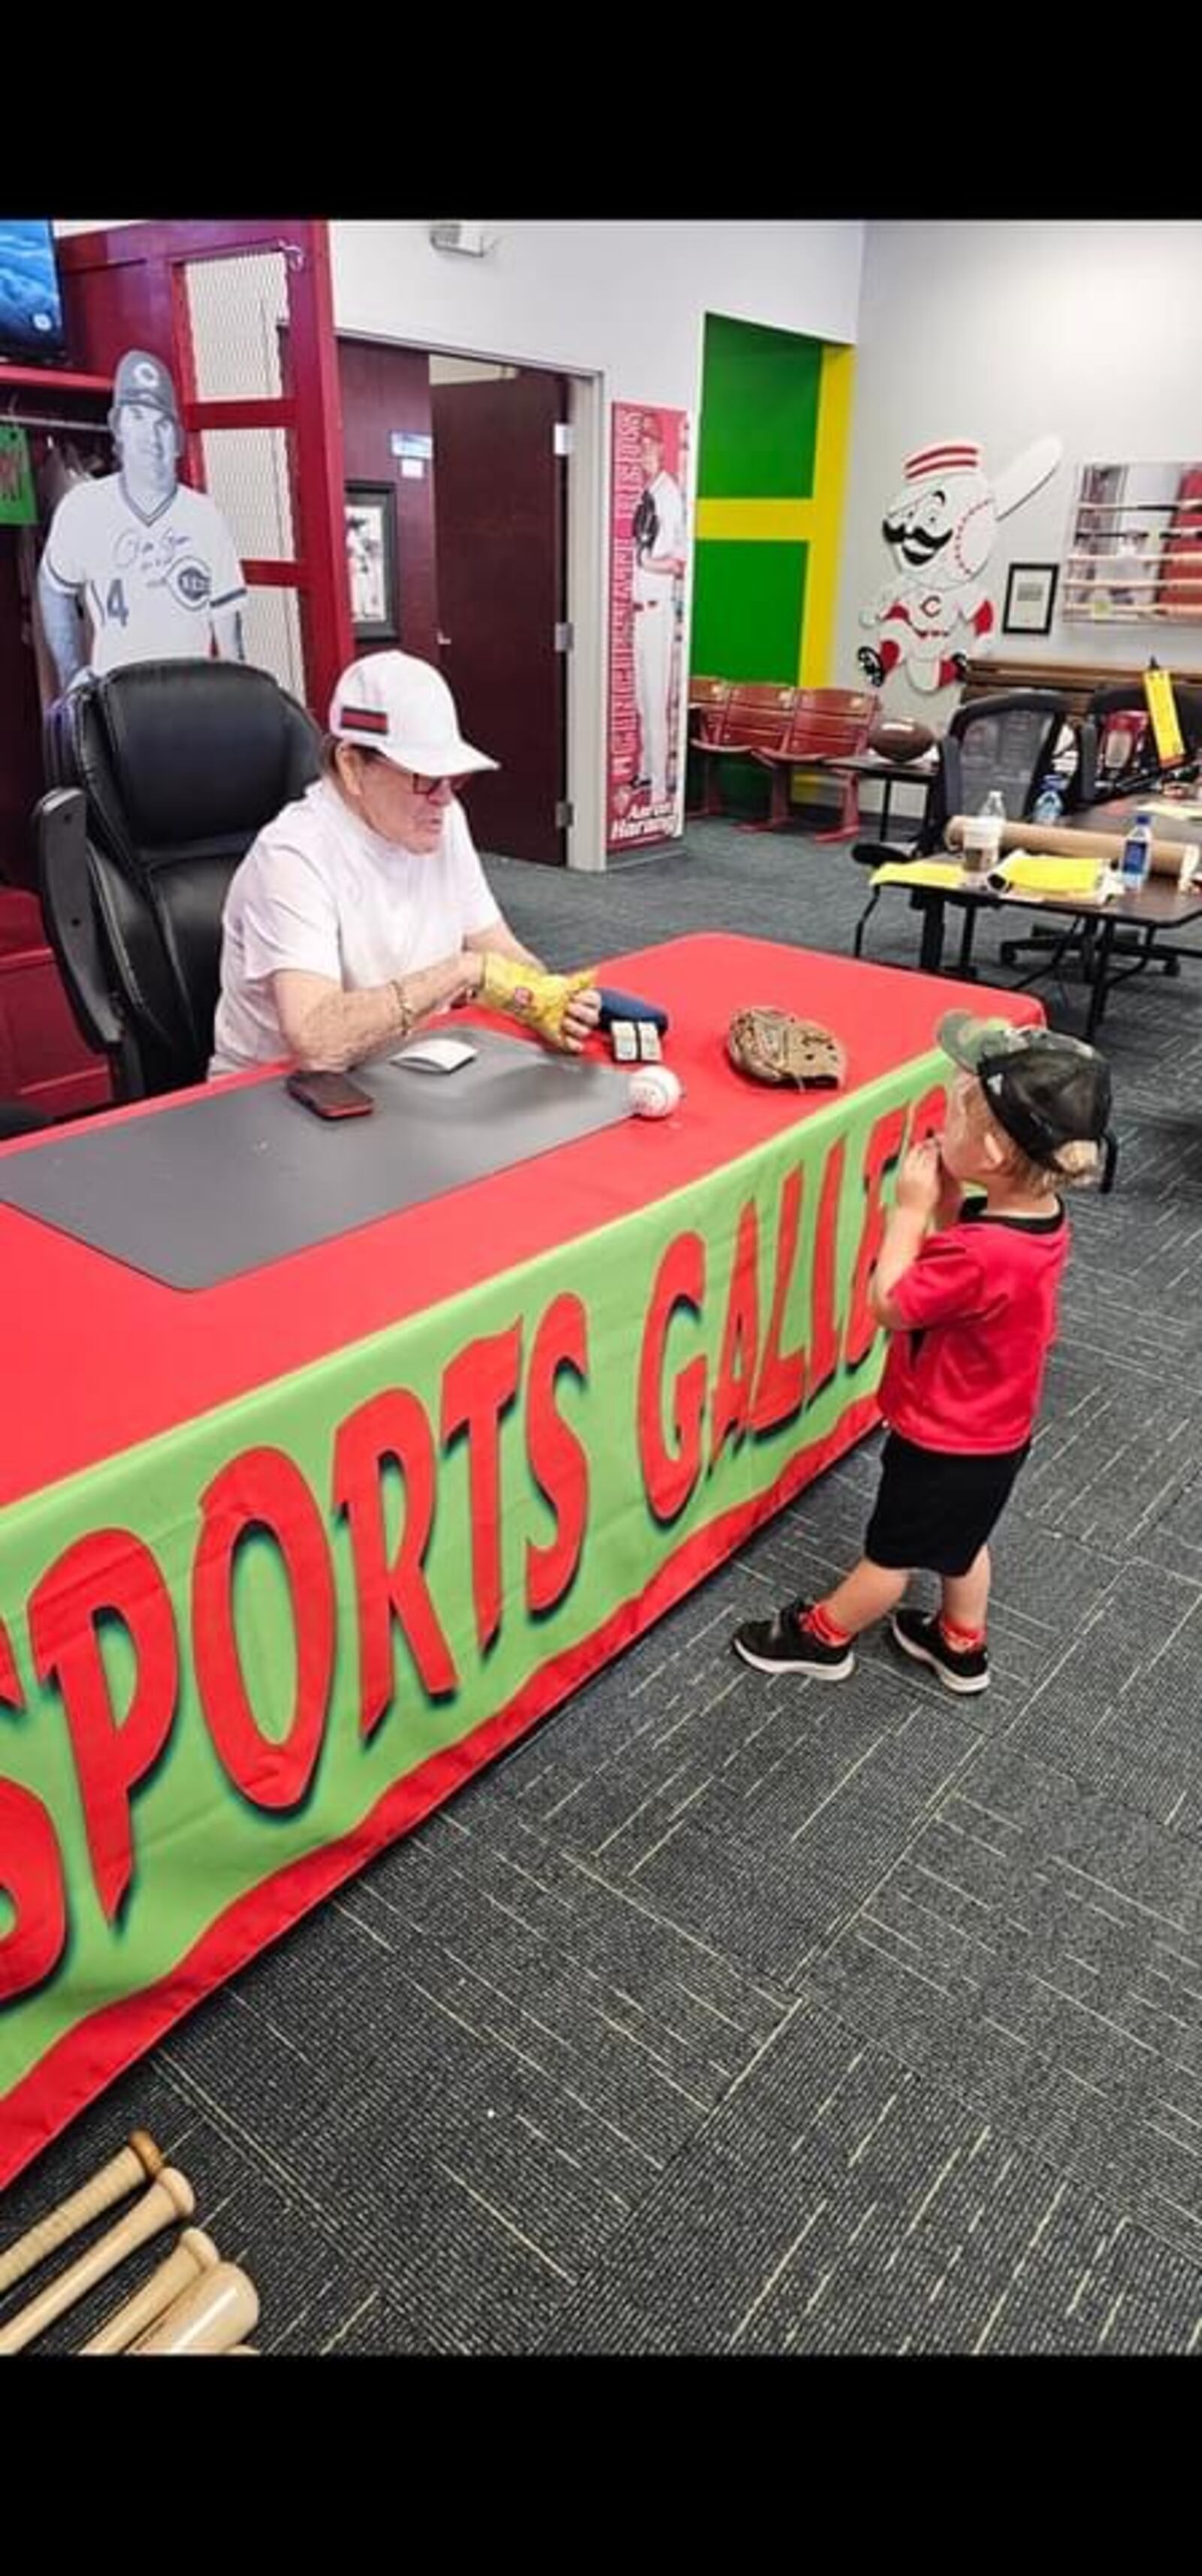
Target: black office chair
1008,742
1139,765
17,1120
1099,780
163,774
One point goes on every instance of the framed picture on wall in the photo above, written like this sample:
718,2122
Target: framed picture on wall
1030,591
372,562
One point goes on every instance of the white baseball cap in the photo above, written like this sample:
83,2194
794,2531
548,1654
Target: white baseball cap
393,703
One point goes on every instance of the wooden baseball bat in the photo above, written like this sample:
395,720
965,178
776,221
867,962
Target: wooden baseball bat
169,2198
1054,841
193,2254
212,2315
138,2162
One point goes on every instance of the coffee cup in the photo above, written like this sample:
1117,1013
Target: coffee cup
980,844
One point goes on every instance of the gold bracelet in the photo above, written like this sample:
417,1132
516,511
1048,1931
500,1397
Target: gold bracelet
406,1015
469,991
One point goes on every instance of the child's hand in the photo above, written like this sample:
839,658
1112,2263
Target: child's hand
951,1197
920,1180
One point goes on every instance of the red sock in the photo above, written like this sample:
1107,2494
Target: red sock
820,1624
961,1641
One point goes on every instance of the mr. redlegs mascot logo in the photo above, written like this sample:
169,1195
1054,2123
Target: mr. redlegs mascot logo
940,530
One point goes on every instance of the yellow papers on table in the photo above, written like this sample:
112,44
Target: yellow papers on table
944,875
1023,873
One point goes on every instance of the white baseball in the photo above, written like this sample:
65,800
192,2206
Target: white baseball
654,1091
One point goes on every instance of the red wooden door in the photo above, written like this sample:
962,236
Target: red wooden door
242,313
499,499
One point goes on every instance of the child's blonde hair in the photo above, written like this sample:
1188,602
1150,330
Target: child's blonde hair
1076,1165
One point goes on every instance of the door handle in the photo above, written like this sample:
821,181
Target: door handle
443,639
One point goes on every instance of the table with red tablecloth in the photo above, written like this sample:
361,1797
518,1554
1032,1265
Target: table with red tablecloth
283,1561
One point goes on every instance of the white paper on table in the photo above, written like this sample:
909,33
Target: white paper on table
436,1055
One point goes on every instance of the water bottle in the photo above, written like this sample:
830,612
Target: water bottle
1137,854
1049,804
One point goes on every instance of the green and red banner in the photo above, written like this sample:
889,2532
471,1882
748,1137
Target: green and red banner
240,1655
236,1660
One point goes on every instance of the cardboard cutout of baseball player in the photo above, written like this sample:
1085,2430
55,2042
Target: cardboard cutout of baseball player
940,530
151,561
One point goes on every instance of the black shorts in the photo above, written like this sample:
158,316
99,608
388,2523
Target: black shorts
936,1507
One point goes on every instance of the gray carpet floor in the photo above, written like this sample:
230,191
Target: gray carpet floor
729,2015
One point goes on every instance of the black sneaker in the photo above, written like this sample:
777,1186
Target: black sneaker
781,1645
919,1634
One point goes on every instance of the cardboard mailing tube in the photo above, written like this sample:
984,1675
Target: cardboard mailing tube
1053,841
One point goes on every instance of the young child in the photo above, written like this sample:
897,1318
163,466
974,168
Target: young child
968,1294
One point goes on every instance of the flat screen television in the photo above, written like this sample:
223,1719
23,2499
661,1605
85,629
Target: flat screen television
31,304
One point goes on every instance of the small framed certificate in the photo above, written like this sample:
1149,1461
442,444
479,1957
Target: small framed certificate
1030,592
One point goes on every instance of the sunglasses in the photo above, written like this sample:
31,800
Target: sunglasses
430,786
374,759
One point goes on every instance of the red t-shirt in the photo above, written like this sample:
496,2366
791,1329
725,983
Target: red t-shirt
965,1369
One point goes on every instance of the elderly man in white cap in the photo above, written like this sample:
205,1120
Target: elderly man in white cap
363,907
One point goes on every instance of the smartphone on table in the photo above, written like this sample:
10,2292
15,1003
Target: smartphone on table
330,1095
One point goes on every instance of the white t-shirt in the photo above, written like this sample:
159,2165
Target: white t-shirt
320,892
668,502
152,583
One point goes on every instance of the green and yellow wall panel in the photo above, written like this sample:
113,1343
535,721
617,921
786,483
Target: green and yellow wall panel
771,470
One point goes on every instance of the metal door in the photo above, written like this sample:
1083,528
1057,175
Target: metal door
499,503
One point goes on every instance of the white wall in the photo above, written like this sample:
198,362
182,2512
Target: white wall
1002,332
624,300
621,304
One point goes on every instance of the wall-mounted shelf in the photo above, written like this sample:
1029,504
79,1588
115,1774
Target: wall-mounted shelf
1134,509
1099,614
46,398
55,380
1135,546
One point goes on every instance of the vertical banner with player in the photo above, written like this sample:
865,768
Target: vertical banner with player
649,481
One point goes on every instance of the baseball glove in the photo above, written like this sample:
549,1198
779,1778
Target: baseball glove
773,1046
528,994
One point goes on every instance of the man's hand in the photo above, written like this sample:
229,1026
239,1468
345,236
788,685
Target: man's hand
920,1181
562,1009
580,1018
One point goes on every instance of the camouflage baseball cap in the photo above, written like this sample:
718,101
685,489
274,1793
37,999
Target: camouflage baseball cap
144,379
1046,1089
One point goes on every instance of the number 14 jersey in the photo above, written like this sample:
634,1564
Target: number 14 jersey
152,584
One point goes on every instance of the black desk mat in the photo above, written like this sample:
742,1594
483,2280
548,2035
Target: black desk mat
229,1180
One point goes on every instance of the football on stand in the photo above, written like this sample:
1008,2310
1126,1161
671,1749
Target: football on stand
896,738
